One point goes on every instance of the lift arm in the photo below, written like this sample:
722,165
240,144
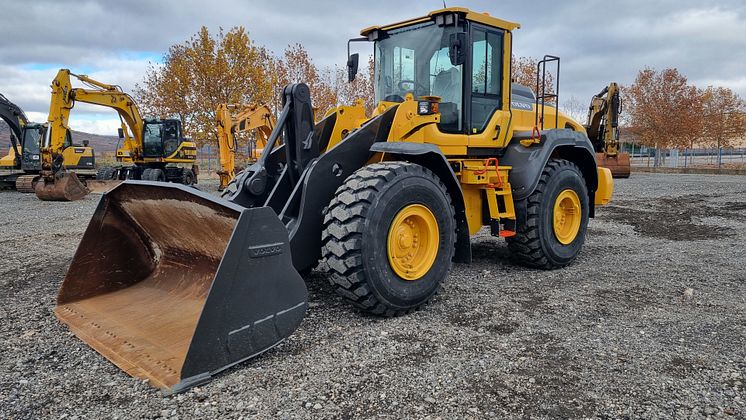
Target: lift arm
236,118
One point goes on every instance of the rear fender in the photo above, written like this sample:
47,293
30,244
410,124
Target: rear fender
529,162
430,157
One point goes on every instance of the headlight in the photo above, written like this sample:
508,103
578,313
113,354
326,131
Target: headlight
35,157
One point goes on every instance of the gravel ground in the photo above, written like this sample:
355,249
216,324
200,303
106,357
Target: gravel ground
650,322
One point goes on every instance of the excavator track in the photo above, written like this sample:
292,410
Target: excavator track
26,183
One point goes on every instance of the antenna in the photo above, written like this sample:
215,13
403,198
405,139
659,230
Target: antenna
444,4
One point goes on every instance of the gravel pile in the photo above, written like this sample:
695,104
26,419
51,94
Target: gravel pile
649,322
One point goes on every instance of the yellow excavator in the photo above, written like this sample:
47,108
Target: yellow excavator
152,149
231,119
603,130
20,168
174,285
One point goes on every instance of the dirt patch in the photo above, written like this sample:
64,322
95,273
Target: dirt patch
681,366
505,328
675,218
633,298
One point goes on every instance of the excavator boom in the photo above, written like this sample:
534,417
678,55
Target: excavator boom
231,119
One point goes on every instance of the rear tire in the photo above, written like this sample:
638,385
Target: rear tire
146,173
188,177
360,238
538,243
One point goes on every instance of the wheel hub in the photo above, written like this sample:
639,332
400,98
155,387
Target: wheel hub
413,242
567,216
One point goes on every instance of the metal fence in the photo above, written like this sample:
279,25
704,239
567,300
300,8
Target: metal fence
684,158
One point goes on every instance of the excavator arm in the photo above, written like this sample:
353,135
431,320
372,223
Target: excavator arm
63,100
603,120
16,120
231,119
603,131
58,185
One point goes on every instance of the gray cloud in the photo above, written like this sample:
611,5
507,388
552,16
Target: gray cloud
598,41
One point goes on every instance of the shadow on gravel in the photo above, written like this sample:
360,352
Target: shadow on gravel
674,218
545,381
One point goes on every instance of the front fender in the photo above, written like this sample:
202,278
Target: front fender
430,157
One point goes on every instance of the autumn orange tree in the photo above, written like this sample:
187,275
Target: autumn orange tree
663,109
724,118
297,66
203,72
362,88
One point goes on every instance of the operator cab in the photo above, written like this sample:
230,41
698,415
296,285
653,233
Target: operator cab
161,138
458,55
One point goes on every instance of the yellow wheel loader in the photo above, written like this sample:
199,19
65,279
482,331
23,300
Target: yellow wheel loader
603,130
231,119
152,149
174,285
20,168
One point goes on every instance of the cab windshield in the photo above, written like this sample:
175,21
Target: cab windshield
415,60
152,139
31,136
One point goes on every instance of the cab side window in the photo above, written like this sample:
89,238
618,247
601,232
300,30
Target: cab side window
446,83
486,80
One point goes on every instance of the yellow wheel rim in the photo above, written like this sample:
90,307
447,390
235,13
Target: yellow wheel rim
567,216
413,242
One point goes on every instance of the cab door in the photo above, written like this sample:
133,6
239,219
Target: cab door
488,84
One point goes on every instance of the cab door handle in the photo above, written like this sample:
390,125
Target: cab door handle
497,132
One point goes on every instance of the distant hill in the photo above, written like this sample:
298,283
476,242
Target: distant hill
99,143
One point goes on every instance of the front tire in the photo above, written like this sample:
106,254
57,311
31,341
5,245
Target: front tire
389,237
157,174
551,231
106,173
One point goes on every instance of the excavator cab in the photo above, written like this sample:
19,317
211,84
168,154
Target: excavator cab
161,138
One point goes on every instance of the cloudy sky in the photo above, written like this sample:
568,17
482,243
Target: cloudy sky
599,41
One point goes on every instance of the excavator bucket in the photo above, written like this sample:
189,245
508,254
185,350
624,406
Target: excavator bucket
66,187
619,165
174,285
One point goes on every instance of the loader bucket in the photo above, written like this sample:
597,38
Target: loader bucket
619,165
66,187
174,285
101,186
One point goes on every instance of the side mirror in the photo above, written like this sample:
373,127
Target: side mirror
352,63
456,48
121,132
86,143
